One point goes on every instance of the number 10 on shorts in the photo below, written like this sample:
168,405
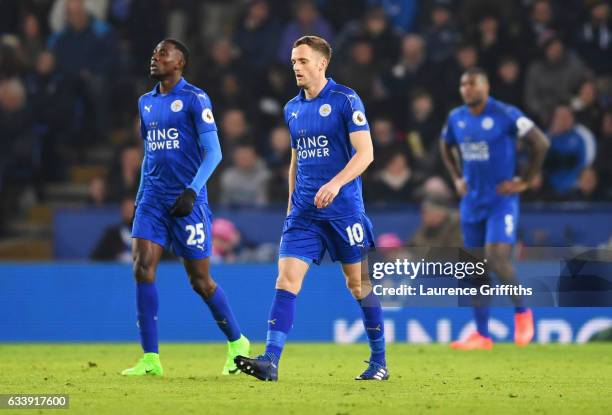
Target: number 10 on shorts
196,234
355,233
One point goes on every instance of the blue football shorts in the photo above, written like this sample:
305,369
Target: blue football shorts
347,239
499,226
189,237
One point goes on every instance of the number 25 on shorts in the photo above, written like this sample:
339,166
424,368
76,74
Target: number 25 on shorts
196,234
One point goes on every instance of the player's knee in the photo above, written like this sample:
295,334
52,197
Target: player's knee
354,286
288,282
203,284
497,260
143,269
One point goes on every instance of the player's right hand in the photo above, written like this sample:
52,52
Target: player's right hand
184,203
460,186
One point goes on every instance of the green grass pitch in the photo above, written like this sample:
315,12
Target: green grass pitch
317,379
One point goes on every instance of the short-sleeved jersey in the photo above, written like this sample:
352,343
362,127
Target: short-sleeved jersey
320,129
170,125
487,143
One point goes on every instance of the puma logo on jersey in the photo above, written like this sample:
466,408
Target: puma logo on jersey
148,108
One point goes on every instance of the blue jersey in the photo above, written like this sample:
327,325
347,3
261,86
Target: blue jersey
487,143
320,129
170,125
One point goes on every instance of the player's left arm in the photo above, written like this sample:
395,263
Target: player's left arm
537,144
201,114
363,157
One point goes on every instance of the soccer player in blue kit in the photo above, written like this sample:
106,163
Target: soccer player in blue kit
485,131
331,148
181,152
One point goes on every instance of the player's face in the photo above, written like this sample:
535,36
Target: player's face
308,65
166,59
474,89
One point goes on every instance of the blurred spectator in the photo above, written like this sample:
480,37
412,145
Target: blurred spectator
465,57
588,188
441,34
360,70
410,72
273,93
307,22
339,12
572,150
585,104
375,29
124,173
145,26
222,61
246,181
234,129
552,79
85,50
385,142
395,183
423,132
32,39
388,240
508,84
19,143
116,242
402,13
60,15
97,191
53,100
278,186
257,36
492,42
594,39
539,25
11,60
602,161
279,147
226,241
440,226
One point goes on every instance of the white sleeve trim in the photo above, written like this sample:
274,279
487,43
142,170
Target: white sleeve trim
523,125
590,146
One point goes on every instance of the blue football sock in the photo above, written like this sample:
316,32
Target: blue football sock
481,314
280,322
520,309
147,305
223,315
374,324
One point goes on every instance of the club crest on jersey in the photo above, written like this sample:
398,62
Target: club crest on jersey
176,105
487,123
359,118
207,116
325,110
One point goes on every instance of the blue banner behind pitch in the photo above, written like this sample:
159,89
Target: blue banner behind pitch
86,302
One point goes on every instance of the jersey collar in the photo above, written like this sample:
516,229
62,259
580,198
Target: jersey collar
324,92
176,88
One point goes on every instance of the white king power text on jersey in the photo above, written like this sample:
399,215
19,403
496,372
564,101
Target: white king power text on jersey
162,139
308,147
475,151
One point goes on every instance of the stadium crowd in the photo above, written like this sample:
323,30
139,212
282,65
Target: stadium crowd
71,72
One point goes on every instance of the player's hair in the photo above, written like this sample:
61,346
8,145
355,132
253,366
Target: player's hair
477,71
317,43
182,47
